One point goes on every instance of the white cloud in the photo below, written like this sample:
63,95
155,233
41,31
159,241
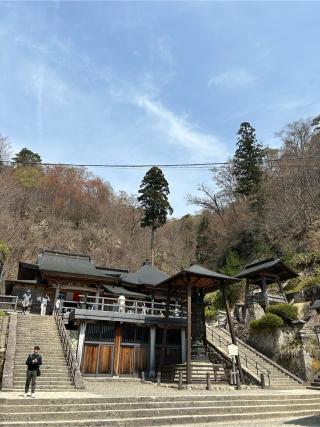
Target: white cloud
232,78
181,132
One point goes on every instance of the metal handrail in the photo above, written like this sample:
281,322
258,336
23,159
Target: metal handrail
272,362
72,363
260,369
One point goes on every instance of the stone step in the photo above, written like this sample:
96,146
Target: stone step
43,382
34,406
43,350
46,364
44,387
44,377
159,412
159,419
257,397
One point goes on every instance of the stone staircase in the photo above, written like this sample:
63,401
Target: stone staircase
157,411
42,331
199,372
253,363
316,382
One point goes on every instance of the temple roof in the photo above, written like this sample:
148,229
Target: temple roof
274,266
146,275
52,262
199,277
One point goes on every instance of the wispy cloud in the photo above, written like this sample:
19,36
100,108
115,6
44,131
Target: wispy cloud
289,105
180,131
165,51
232,78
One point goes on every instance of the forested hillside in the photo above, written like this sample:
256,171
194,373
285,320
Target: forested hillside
274,212
263,202
68,209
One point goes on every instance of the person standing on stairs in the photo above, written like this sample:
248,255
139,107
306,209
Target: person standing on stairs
26,301
44,302
33,362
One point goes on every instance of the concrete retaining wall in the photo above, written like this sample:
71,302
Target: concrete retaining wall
8,369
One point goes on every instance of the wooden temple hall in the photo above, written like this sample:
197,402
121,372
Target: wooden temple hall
124,322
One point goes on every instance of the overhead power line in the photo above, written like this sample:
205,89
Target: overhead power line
206,165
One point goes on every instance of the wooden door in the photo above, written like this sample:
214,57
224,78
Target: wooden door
105,359
126,362
141,359
90,359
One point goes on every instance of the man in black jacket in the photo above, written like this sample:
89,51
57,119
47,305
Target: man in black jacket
33,362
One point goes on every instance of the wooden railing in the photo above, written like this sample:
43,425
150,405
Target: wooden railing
259,298
129,306
251,364
8,302
72,363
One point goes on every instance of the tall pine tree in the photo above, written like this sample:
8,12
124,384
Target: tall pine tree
247,162
26,156
153,199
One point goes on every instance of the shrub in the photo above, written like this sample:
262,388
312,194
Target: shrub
306,259
300,283
267,322
2,313
287,312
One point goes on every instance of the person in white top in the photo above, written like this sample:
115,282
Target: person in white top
58,305
122,303
26,301
44,302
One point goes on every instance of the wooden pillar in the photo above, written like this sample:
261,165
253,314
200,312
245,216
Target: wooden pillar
183,345
189,289
117,348
97,296
81,338
56,296
232,332
152,351
165,329
246,296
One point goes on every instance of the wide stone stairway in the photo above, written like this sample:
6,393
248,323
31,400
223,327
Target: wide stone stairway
253,363
42,331
157,411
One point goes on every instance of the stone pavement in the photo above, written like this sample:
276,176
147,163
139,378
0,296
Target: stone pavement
116,388
124,390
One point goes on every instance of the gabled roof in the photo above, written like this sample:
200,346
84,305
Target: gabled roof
270,265
199,277
146,275
59,262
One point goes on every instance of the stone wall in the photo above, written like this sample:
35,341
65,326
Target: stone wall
4,321
295,347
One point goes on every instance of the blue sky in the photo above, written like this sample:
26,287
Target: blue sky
154,82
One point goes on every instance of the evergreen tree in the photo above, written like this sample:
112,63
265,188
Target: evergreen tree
247,162
153,199
27,156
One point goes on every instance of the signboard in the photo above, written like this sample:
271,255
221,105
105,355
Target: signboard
233,350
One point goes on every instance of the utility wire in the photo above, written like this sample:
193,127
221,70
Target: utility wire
206,165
